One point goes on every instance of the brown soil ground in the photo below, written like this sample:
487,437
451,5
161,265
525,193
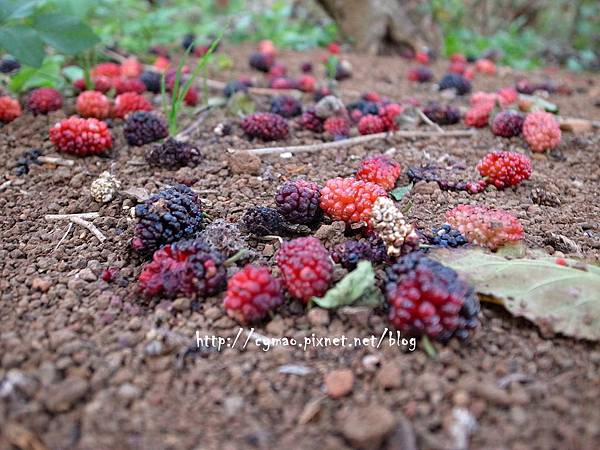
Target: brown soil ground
86,364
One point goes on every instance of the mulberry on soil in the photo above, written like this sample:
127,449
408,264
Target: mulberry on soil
486,227
310,121
349,199
168,216
457,82
130,102
442,115
173,154
81,137
263,221
348,254
286,106
381,170
507,124
190,268
92,104
142,127
306,268
44,100
337,126
446,236
252,294
504,169
541,131
427,298
298,201
266,126
10,109
371,124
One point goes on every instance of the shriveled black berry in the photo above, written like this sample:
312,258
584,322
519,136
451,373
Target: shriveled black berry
234,86
25,160
286,106
298,201
364,106
168,216
173,154
260,61
151,80
442,115
263,221
446,236
455,81
188,41
143,127
9,65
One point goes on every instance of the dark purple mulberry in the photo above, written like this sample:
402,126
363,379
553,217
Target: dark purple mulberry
442,115
298,201
266,126
151,80
286,106
143,127
173,154
457,82
168,216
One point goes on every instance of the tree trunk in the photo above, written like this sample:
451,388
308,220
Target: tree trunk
383,26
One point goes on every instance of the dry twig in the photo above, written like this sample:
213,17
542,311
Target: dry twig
358,140
55,160
90,226
79,219
430,122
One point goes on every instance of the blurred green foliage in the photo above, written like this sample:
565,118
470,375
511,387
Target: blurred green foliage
527,33
135,25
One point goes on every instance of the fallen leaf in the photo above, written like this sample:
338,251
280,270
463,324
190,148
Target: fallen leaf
357,288
557,298
399,193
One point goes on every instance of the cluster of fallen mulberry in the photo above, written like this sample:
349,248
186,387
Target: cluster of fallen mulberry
423,297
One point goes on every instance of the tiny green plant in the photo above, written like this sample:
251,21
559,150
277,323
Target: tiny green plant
173,107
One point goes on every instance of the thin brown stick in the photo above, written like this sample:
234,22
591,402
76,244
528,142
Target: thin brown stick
90,226
57,161
5,185
358,140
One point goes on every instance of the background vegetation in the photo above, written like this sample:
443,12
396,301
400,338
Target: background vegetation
525,33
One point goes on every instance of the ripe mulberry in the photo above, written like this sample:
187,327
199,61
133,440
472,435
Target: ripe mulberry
485,227
10,109
81,137
337,126
130,102
263,221
306,268
442,115
349,199
92,104
286,106
457,82
252,294
371,124
351,252
173,154
190,268
380,170
168,216
266,126
446,236
507,124
541,131
427,298
504,169
44,100
298,201
142,127
123,85
152,81
310,121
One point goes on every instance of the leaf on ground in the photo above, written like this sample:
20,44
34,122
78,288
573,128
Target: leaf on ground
357,288
240,104
399,193
559,299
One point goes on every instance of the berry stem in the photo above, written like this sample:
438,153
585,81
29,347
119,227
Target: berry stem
235,258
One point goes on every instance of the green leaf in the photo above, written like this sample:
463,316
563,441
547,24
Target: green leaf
399,193
558,299
23,43
16,9
48,75
73,73
66,34
357,288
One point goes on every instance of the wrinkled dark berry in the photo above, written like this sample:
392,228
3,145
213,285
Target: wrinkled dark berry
173,154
